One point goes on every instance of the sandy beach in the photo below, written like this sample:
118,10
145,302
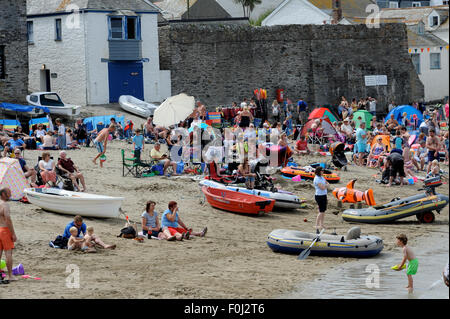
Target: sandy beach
232,261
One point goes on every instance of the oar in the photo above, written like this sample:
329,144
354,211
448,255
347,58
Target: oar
305,253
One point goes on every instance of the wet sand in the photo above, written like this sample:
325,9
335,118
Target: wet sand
232,261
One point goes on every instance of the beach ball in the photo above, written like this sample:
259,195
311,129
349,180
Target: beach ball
2,264
102,158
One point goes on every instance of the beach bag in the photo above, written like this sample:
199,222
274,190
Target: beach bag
127,232
60,242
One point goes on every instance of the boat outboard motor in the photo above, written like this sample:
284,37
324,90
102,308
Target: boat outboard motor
353,233
430,184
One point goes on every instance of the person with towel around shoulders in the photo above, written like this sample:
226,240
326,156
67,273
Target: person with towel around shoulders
321,186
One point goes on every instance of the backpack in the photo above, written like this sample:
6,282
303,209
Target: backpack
59,242
127,232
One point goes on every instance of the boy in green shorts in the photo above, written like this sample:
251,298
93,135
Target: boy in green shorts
413,263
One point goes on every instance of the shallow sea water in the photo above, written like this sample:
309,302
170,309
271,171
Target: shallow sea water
373,278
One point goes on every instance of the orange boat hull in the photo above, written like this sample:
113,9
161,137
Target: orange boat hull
237,202
295,171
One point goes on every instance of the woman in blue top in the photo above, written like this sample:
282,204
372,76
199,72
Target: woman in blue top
150,222
171,222
320,185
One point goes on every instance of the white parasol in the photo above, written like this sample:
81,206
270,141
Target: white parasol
174,110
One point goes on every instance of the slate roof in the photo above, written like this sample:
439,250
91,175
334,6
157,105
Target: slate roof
50,6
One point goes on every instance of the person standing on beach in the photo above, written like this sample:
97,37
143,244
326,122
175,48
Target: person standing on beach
101,141
408,254
320,185
7,233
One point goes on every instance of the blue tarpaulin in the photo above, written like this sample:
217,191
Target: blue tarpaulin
22,108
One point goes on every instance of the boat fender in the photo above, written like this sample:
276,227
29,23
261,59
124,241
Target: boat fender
342,239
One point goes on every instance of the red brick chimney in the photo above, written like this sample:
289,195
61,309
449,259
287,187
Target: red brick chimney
337,12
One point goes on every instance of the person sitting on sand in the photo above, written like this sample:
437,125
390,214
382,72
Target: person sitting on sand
75,242
301,147
151,227
81,228
92,239
162,159
48,142
71,171
101,141
435,169
171,222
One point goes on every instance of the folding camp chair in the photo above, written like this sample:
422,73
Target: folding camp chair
134,166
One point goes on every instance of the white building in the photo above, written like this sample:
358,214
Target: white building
93,51
428,46
318,12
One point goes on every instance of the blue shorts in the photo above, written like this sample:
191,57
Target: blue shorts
99,146
431,156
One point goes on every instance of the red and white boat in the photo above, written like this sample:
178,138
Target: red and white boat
237,202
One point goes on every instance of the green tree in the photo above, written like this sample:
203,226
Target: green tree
248,5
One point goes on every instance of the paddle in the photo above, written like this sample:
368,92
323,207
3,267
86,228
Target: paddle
305,253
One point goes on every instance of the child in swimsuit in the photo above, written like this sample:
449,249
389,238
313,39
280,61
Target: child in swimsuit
413,263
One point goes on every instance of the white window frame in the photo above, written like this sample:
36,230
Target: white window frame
431,64
416,4
431,22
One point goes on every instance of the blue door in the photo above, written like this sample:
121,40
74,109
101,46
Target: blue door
125,78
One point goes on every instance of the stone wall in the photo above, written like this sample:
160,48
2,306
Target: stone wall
220,64
13,36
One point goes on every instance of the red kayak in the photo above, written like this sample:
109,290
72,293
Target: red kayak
237,202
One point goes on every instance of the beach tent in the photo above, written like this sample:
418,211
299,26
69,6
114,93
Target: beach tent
365,115
328,128
11,176
10,125
410,111
322,112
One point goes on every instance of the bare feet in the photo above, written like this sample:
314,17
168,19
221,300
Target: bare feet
94,161
12,278
110,247
203,233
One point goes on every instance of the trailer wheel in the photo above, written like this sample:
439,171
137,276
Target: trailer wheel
426,218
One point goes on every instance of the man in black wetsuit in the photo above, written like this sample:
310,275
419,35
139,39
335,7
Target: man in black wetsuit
397,166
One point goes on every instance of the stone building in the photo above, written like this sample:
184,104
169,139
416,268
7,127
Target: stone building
13,51
222,64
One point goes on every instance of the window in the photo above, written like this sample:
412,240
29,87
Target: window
434,21
58,31
124,28
445,2
30,35
116,28
416,4
34,98
416,61
393,4
131,28
435,61
420,28
2,62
